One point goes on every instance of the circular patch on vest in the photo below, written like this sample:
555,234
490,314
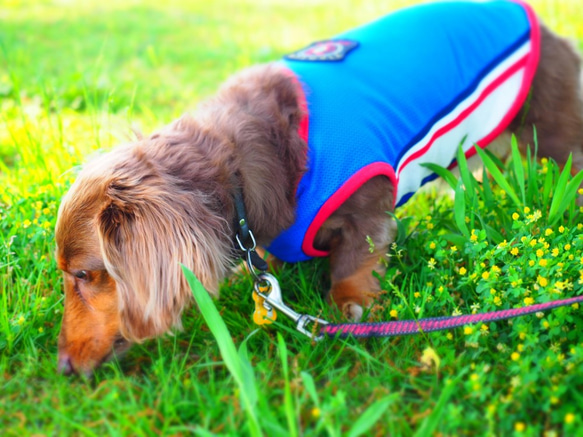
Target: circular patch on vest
330,50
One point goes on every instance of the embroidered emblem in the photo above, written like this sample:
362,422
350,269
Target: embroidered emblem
330,50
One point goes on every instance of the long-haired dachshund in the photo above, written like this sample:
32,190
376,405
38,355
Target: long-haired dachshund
320,145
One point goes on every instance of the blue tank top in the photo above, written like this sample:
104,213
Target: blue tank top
406,89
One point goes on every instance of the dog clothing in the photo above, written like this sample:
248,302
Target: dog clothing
406,89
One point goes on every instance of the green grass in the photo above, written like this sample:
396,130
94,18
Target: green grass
75,77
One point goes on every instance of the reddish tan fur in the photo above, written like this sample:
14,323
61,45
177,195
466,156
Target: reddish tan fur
135,214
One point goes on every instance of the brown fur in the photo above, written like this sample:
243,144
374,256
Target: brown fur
135,214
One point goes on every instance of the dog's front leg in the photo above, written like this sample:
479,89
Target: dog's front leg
357,236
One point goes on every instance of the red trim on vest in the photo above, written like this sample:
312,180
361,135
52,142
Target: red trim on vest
339,197
466,112
530,70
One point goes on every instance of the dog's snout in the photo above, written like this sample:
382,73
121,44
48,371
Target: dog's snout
65,365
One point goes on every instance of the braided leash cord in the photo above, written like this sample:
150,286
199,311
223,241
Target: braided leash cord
406,327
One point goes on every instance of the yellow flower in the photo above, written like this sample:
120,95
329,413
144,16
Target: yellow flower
26,223
505,243
485,275
555,252
515,356
528,300
431,263
519,427
432,245
540,253
567,247
474,236
580,191
453,249
515,216
546,324
537,215
394,313
543,282
542,262
520,347
575,306
514,251
561,229
492,291
526,209
449,336
522,335
497,301
531,263
316,412
484,328
569,418
468,330
548,232
463,271
417,294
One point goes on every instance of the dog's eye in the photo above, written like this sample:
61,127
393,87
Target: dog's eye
81,274
119,341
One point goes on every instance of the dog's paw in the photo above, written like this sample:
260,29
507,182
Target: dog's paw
352,311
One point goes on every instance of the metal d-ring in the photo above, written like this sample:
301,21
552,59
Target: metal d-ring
249,251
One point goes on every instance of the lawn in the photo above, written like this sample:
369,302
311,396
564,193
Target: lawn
77,77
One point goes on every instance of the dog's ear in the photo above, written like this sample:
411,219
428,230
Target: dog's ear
148,228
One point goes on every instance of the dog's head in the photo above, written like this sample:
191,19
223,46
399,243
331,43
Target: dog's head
123,230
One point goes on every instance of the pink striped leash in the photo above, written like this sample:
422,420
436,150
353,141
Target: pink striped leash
270,299
408,327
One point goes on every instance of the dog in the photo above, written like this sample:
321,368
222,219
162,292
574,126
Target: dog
135,214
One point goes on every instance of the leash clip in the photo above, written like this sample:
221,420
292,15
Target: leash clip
273,300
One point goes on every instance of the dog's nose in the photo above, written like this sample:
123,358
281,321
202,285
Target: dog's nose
65,366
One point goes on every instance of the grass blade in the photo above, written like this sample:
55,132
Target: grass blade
566,198
442,172
288,402
430,424
459,209
232,359
560,187
518,168
371,416
498,176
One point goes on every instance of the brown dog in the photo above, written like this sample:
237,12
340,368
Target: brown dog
135,214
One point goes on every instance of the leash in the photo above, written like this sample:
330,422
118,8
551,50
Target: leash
408,327
268,300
